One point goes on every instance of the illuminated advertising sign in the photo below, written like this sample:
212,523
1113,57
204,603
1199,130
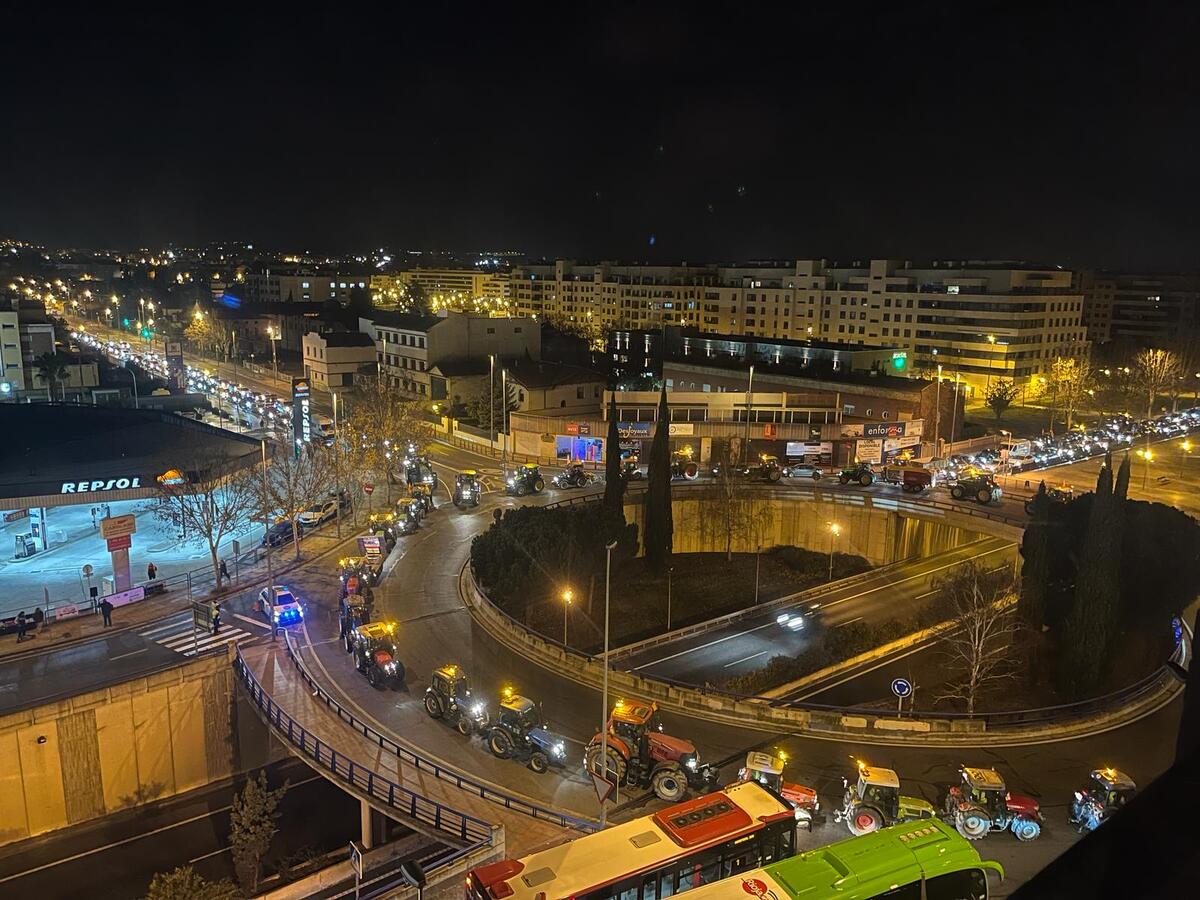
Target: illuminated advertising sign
176,370
884,430
100,484
301,419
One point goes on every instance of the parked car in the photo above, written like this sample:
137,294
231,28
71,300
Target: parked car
803,470
278,534
318,513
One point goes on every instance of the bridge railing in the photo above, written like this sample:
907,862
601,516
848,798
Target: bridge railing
424,764
457,825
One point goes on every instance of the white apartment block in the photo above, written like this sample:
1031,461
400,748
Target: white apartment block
981,320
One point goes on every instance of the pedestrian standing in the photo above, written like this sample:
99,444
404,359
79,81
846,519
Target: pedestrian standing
224,569
151,571
93,518
21,626
106,609
216,617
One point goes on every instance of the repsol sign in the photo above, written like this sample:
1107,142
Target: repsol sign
100,484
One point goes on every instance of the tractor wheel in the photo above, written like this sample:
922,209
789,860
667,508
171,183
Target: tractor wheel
1026,829
463,725
375,677
617,764
774,475
863,820
539,486
983,496
843,479
690,471
400,670
1028,507
521,489
500,743
539,761
972,823
433,706
669,784
865,480
957,492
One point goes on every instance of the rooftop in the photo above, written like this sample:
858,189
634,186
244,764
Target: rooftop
346,339
539,375
404,321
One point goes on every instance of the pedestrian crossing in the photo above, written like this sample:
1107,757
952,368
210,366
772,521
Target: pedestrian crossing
180,636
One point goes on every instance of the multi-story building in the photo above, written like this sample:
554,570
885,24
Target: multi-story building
298,287
12,367
979,320
1140,310
409,347
333,358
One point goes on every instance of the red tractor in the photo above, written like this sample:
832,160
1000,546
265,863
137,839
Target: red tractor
980,804
767,770
639,754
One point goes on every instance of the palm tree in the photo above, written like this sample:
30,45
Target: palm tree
52,368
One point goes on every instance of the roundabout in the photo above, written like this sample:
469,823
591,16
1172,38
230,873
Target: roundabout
420,591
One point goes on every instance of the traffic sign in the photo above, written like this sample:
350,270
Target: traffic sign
118,526
121,542
368,489
356,858
901,687
604,787
87,571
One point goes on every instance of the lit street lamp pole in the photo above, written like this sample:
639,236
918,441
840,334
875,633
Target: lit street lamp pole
834,530
937,415
749,410
274,336
492,399
954,411
991,340
566,598
1184,448
670,570
604,690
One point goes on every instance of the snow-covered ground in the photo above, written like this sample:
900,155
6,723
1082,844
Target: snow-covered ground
75,542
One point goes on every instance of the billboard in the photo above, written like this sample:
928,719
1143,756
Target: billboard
635,429
301,415
869,451
884,429
176,370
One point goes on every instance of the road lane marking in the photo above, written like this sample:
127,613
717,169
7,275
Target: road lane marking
849,622
825,606
130,653
259,622
208,855
746,658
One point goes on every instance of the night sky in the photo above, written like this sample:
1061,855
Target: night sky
956,130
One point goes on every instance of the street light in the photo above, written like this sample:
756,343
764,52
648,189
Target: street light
991,354
670,571
604,690
834,530
273,336
1185,448
937,420
1147,455
566,599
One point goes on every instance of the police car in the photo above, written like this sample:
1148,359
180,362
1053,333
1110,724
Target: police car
281,605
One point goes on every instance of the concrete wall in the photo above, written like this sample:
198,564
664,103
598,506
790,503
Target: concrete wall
124,745
880,535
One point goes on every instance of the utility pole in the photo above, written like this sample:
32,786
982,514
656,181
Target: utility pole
749,410
937,420
267,525
492,399
337,468
604,689
504,419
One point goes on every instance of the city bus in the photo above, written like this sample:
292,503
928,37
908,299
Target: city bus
716,836
919,860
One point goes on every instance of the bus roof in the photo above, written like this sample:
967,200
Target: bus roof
859,867
619,851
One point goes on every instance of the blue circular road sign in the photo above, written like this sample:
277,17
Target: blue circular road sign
901,687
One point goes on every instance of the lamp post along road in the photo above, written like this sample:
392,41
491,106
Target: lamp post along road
566,598
834,531
749,411
937,415
604,689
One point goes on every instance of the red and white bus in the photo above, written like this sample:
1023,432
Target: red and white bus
678,848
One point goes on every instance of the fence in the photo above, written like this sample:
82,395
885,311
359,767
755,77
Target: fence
457,826
424,764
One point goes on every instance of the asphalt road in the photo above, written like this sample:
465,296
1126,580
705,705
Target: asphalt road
748,644
116,857
78,668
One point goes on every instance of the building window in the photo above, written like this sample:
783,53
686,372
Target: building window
847,409
885,413
491,331
868,412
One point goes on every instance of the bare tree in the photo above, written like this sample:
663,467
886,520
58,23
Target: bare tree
1071,381
379,429
980,647
1156,371
999,396
731,515
214,500
293,482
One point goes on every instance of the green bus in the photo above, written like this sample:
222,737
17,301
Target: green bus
920,860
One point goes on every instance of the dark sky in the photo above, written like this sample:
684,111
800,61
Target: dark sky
950,130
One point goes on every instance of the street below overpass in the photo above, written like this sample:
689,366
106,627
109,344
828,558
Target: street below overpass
897,592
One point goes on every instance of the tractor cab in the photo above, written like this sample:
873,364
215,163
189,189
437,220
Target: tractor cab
452,683
375,653
520,732
631,468
880,788
767,770
985,788
422,496
355,575
1061,493
525,480
419,470
633,720
353,610
1111,787
449,697
519,714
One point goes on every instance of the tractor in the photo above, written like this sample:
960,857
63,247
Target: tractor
1107,791
419,470
767,770
375,654
631,469
354,610
766,469
683,466
449,697
874,801
980,804
573,476
466,488
912,477
978,486
1059,493
356,576
520,733
640,754
422,496
860,473
525,480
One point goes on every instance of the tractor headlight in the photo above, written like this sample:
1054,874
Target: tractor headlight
477,710
692,763
559,750
390,667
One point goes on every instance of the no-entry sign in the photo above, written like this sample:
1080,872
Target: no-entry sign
368,489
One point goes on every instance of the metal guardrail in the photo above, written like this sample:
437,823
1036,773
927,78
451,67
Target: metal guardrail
423,764
457,825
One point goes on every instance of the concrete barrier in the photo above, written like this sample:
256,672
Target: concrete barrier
1063,723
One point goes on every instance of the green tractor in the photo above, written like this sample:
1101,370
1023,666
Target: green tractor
874,801
978,486
859,473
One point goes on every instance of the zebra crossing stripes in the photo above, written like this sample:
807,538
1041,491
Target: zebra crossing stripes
182,638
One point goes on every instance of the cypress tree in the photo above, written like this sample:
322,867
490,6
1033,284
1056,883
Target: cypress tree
1122,490
614,481
1035,572
1092,623
658,532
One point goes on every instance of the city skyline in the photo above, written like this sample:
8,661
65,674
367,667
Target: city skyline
648,136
